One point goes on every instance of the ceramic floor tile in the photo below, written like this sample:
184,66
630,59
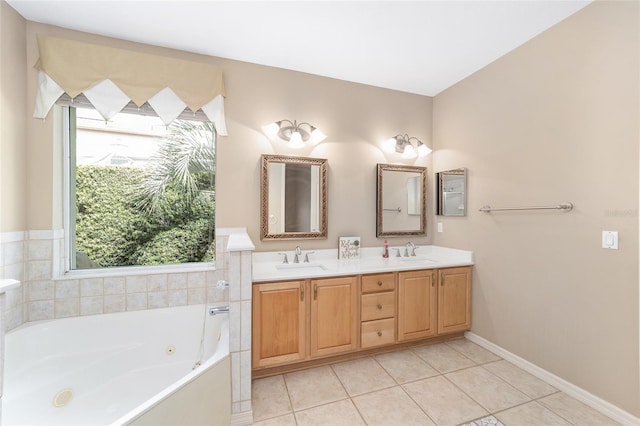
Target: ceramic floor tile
488,390
286,420
575,411
443,358
532,414
362,375
520,379
444,402
405,366
341,413
317,386
390,407
475,352
269,398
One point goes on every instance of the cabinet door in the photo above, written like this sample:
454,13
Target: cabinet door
334,316
416,304
454,300
279,323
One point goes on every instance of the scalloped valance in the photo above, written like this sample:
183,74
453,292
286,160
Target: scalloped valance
110,78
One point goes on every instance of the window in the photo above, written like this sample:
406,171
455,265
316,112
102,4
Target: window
140,192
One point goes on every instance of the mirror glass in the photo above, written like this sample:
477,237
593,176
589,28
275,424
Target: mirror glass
452,192
401,204
293,198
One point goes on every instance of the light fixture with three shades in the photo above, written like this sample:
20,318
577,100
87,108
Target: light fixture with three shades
294,134
404,144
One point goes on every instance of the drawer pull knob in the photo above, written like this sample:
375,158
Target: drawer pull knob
379,306
379,333
380,283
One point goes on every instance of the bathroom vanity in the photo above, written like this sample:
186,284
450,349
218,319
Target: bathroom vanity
329,309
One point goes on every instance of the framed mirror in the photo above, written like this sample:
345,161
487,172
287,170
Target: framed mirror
401,200
293,198
451,187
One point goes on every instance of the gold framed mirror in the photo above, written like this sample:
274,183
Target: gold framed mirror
293,198
401,200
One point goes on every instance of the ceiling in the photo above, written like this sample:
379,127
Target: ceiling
419,47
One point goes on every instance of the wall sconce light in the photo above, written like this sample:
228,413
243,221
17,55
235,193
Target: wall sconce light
403,145
293,133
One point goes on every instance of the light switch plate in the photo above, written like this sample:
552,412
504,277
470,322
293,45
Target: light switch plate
610,240
439,226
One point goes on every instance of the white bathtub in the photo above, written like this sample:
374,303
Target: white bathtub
124,368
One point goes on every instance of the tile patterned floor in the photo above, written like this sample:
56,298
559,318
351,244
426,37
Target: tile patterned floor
446,384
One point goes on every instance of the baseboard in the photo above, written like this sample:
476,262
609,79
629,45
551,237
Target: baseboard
242,419
606,408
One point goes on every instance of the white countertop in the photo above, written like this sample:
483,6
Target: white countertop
268,266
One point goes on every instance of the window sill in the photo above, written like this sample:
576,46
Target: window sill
136,270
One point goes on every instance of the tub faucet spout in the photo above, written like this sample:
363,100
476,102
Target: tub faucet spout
218,310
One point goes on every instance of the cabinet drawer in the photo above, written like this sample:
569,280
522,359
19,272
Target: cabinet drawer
380,282
378,305
378,333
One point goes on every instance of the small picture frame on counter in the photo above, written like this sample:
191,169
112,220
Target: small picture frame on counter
349,248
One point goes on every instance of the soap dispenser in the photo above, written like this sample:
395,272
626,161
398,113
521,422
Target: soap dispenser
386,250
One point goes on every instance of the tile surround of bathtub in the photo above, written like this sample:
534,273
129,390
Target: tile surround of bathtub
240,280
36,259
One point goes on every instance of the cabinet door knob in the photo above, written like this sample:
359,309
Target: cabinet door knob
379,306
315,292
302,292
379,333
441,279
380,283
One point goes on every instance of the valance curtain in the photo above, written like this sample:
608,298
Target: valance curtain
110,78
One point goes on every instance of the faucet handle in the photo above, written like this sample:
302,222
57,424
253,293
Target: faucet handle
413,250
397,252
306,256
285,260
406,252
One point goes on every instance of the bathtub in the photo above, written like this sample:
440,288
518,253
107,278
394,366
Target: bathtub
125,368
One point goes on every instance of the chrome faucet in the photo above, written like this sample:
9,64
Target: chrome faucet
218,310
298,253
408,246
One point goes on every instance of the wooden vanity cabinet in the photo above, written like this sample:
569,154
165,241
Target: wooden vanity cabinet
378,310
279,334
417,299
304,319
334,313
433,302
454,300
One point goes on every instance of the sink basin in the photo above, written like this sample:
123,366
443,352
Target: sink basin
301,267
415,259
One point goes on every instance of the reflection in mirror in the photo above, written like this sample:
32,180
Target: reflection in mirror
452,192
293,198
401,203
